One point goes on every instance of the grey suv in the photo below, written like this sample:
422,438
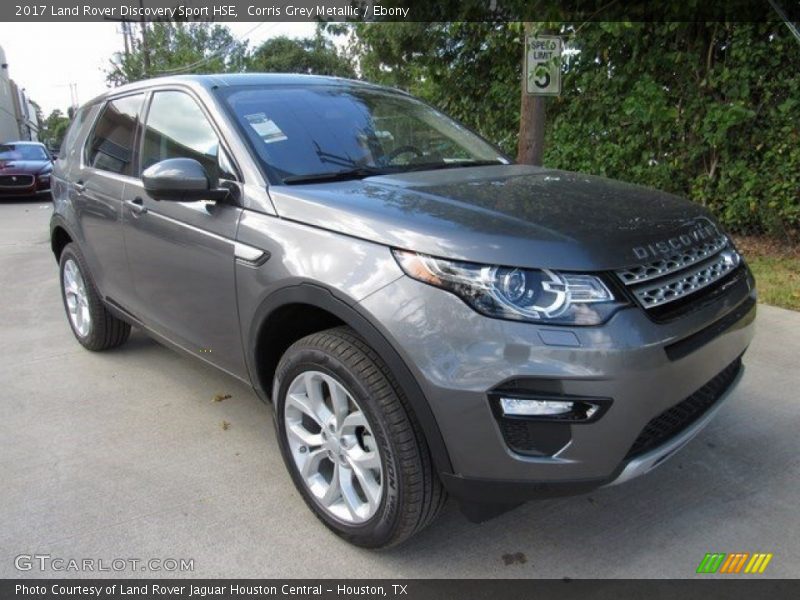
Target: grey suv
426,317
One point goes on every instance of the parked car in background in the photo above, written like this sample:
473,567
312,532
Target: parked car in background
25,169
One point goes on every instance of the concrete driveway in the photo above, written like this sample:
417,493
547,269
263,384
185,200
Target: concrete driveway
124,455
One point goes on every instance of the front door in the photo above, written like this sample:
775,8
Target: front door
181,254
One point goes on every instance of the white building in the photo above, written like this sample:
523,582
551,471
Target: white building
18,118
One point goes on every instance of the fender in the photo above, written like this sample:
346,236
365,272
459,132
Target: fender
320,297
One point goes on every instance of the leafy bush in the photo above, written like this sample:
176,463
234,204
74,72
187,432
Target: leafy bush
706,110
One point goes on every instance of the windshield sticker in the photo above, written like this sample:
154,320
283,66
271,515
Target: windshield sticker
267,130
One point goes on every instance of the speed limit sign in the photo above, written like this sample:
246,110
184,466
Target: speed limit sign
543,65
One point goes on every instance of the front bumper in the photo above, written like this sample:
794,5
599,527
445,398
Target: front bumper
644,463
644,367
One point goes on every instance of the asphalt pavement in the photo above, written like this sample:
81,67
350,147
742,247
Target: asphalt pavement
126,454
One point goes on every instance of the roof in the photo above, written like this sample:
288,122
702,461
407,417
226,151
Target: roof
241,79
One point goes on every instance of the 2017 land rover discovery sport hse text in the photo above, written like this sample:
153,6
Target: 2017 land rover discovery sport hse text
426,317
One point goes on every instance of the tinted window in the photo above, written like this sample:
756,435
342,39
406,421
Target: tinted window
72,132
319,129
177,128
110,146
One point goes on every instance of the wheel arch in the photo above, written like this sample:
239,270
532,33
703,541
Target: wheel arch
59,238
327,310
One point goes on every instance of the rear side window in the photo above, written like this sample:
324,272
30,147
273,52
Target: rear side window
110,147
178,128
68,142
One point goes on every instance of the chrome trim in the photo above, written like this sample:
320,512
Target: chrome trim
687,281
648,461
672,263
248,254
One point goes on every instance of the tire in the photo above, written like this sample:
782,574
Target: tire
97,329
411,494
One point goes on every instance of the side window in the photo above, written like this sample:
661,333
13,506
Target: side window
110,147
177,128
72,132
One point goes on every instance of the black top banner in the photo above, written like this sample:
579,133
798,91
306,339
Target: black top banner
402,10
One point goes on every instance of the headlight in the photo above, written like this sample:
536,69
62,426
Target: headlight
520,294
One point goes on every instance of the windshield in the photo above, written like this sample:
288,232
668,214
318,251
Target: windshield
22,152
299,132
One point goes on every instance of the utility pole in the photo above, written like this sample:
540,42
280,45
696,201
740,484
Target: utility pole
126,36
145,51
73,95
530,148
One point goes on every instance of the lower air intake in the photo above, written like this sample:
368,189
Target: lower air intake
674,420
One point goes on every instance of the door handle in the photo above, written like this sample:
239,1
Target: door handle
136,206
79,187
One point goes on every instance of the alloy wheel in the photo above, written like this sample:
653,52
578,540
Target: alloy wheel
77,298
333,447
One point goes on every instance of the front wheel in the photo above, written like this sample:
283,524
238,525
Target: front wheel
351,443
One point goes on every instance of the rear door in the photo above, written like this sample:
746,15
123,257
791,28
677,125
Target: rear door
181,254
97,191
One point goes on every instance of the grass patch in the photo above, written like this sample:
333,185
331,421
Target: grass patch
776,267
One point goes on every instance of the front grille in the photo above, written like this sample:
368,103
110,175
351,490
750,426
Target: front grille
675,277
673,262
674,420
16,180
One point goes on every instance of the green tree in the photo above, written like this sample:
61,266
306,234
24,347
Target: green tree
470,70
706,110
176,48
53,128
316,56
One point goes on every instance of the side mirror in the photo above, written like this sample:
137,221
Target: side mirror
181,180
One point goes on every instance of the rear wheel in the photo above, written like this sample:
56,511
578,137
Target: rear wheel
352,445
91,322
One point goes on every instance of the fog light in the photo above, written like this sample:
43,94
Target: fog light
572,410
520,407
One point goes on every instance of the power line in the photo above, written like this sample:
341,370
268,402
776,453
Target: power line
792,27
202,61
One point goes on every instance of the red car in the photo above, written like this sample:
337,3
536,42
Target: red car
25,169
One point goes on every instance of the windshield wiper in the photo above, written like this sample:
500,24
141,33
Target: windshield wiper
344,175
364,171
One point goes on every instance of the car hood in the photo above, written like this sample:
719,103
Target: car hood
513,215
30,167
